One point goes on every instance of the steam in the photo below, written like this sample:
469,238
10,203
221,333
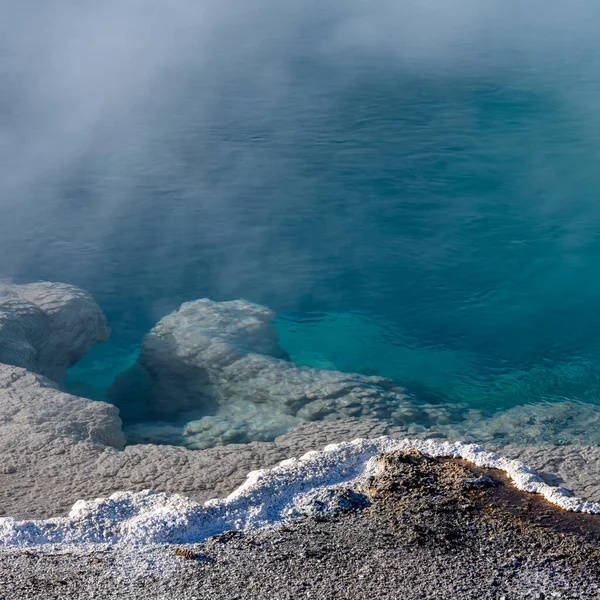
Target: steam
148,147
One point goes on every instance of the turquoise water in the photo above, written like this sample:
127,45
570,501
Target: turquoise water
426,211
445,235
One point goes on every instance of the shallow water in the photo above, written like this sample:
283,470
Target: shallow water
430,216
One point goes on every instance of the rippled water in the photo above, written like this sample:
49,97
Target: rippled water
433,217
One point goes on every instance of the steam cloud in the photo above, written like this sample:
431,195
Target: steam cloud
149,148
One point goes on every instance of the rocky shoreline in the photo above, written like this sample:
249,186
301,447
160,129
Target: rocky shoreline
57,448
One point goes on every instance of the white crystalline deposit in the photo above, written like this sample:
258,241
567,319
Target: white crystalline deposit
267,497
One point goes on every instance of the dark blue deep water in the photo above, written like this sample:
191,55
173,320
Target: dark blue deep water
429,215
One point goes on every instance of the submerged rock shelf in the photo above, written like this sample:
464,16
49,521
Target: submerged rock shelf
213,373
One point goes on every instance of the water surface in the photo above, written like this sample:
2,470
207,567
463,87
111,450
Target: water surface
421,204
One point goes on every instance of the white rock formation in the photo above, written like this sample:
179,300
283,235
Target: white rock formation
34,416
220,362
47,327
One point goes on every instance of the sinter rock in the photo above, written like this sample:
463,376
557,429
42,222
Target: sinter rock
219,362
47,327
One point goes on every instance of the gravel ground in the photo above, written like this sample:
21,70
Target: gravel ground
433,529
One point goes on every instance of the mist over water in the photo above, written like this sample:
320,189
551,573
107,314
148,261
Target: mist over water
431,167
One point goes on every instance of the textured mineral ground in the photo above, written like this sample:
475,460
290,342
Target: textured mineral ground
421,528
